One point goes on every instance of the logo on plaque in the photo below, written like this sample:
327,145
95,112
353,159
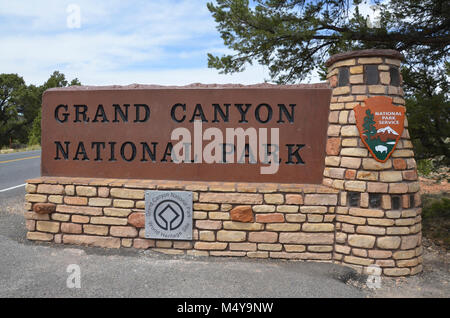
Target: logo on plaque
168,215
380,125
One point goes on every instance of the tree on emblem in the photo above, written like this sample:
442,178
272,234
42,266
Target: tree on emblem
369,125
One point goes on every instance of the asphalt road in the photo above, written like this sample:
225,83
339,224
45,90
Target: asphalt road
15,168
30,269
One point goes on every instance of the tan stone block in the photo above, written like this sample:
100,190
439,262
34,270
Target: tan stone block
307,238
163,244
383,68
356,79
226,207
318,227
315,218
296,218
273,198
342,249
348,228
71,228
385,78
39,236
408,262
47,226
320,248
30,188
263,208
320,199
349,142
349,62
232,198
99,202
349,131
143,243
210,246
372,164
305,255
36,198
389,242
122,193
333,117
30,225
208,236
365,241
80,219
294,248
357,260
356,69
390,176
408,242
288,208
366,212
231,225
200,215
208,225
404,254
69,189
206,206
123,231
334,130
341,90
371,230
336,106
105,220
122,203
50,189
294,199
380,254
359,89
359,186
231,236
354,152
95,229
402,153
84,191
341,237
351,219
370,60
270,247
258,254
381,222
242,246
57,199
377,187
76,200
405,222
367,175
392,61
117,212
219,215
393,214
263,237
103,192
228,253
396,271
350,162
283,227
99,241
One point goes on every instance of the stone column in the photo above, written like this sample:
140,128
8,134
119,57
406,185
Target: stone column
378,218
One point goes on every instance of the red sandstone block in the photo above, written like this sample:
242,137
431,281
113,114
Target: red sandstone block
270,218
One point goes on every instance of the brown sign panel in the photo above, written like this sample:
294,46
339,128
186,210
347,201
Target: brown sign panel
380,125
240,134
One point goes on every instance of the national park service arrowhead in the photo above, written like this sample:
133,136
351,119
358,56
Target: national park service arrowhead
380,125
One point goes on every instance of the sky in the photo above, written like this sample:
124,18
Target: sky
115,42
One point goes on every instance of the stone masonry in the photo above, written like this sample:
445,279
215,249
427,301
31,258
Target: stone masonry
364,213
378,217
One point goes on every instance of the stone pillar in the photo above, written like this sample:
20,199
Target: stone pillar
378,217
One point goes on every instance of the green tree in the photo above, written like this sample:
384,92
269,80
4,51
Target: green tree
10,118
369,125
57,79
294,37
428,111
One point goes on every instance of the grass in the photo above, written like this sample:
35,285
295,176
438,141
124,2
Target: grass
21,149
436,218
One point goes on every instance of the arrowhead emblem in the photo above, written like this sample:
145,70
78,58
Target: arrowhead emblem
380,125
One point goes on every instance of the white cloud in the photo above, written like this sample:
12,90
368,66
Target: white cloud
119,42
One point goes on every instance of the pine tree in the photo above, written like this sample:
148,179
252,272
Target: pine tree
369,125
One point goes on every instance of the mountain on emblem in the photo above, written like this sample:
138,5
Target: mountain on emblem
380,125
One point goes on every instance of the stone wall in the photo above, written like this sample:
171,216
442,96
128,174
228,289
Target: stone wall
365,213
378,216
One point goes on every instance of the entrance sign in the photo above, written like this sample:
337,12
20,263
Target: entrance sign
168,215
380,125
248,134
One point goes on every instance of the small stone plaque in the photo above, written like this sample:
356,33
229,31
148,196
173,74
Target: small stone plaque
168,215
